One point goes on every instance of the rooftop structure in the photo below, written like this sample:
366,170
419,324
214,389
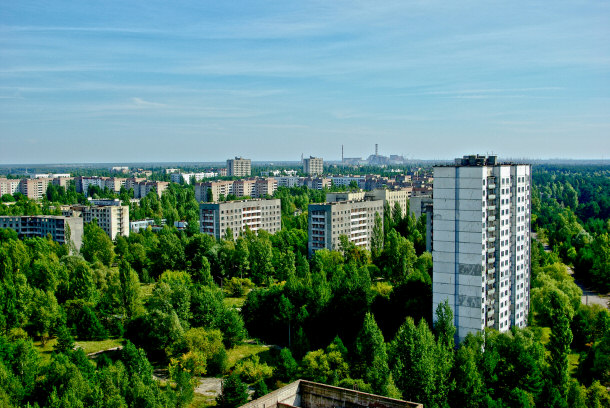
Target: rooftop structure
307,394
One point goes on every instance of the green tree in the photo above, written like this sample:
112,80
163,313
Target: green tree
97,245
371,355
234,393
130,289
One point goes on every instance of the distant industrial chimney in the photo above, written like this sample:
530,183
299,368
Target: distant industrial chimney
376,149
341,153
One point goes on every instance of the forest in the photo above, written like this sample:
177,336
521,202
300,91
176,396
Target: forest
172,306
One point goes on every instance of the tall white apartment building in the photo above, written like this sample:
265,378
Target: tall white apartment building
354,219
399,195
481,235
113,219
239,167
215,218
313,166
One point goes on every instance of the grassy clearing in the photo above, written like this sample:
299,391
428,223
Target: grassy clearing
234,302
95,346
87,346
573,360
203,401
146,289
243,351
546,335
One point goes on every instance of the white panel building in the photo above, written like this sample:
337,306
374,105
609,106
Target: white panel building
481,243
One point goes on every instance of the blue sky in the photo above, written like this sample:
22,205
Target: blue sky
124,81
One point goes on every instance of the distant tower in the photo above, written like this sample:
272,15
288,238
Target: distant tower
341,153
301,157
376,149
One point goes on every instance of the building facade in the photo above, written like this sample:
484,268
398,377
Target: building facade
61,229
215,218
481,243
354,219
113,219
313,166
400,196
239,167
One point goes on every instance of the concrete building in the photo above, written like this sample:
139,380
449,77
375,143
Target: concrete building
313,166
239,167
142,189
61,229
113,219
9,186
216,217
328,221
138,225
288,181
215,188
307,394
400,196
187,178
345,196
481,243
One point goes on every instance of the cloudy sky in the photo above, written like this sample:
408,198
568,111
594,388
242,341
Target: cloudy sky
124,81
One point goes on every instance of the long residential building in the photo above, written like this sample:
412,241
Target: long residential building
392,197
34,188
254,188
239,167
354,219
61,229
481,243
255,215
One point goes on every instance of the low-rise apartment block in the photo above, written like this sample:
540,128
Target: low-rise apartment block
354,219
254,215
239,167
313,166
61,229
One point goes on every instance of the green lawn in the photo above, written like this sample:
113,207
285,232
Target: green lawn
146,289
203,401
234,302
87,346
243,351
573,360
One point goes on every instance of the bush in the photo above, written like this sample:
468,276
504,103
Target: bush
237,287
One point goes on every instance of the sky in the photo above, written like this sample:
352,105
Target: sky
150,81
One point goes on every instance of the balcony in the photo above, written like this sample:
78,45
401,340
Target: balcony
491,218
491,197
491,292
491,186
491,239
491,250
491,207
491,281
491,229
490,322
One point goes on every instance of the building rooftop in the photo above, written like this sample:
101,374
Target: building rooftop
307,394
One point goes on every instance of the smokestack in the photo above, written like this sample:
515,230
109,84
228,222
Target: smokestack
341,153
376,149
